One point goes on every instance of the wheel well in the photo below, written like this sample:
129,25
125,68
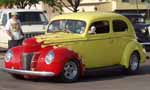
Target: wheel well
137,54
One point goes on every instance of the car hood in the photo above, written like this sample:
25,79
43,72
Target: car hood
140,26
59,37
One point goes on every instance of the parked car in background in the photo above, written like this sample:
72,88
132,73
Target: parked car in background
76,43
141,28
34,22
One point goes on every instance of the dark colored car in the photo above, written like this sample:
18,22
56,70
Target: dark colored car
141,29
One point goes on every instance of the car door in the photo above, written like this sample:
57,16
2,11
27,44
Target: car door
120,36
99,51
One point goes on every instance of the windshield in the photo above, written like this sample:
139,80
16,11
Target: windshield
32,18
69,26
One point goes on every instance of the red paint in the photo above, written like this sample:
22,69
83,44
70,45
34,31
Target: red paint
62,55
16,60
31,45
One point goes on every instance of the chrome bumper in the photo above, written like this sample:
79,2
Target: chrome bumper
146,43
25,72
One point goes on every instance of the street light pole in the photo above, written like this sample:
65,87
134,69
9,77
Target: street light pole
137,6
147,4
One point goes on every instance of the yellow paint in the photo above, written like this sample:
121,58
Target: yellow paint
97,50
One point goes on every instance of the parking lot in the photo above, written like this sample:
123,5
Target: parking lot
105,80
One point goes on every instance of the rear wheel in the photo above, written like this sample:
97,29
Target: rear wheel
134,63
71,71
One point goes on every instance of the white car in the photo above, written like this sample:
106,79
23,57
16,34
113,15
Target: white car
34,22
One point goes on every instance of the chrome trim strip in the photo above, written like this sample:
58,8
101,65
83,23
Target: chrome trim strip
147,43
25,72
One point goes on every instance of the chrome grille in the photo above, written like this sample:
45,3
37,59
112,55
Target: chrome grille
26,61
32,34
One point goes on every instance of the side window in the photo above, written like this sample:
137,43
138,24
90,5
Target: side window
100,27
4,19
119,26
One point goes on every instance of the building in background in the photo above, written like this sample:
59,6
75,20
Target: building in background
88,5
130,6
121,6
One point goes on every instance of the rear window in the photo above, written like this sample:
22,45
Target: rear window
119,26
32,18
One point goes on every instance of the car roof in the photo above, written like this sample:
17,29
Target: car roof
87,16
19,10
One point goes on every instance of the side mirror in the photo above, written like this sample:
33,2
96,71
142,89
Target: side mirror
92,30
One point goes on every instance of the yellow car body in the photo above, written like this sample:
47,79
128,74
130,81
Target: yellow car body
98,50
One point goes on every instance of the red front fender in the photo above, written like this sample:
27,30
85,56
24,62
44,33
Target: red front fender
15,62
62,55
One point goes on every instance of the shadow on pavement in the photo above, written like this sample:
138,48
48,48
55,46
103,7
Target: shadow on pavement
102,75
145,70
110,74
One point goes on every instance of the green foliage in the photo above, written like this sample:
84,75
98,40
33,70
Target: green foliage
55,4
7,3
148,1
19,3
58,4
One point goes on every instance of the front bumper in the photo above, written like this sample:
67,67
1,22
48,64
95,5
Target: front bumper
25,72
146,43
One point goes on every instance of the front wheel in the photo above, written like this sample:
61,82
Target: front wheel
71,71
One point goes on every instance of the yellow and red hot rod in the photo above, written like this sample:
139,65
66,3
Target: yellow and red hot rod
75,43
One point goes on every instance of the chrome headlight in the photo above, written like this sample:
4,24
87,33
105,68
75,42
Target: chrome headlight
8,55
49,57
143,30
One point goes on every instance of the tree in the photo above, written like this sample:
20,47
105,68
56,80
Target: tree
55,4
7,3
73,3
24,3
58,4
18,3
148,1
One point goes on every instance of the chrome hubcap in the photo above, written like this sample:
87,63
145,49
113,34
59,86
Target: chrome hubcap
70,70
134,62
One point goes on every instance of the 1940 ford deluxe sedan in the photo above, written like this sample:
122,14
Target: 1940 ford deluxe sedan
75,43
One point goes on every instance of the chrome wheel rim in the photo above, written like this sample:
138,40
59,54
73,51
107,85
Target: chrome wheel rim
134,62
70,70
